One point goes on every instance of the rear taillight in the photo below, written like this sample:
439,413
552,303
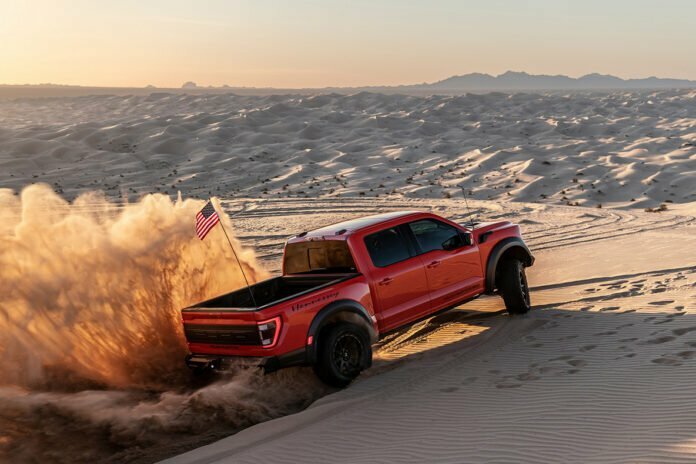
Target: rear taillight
269,331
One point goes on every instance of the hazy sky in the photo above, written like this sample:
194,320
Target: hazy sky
298,43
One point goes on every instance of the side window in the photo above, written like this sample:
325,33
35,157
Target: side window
386,247
435,235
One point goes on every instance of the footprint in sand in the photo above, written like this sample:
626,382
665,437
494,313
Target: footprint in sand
683,330
658,340
661,302
612,284
549,369
667,361
508,385
663,321
508,382
449,389
669,318
527,376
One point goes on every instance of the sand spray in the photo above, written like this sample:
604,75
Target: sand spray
90,332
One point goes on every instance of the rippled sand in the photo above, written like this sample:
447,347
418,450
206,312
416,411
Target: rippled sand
635,149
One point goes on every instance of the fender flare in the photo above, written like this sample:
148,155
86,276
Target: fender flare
498,251
324,316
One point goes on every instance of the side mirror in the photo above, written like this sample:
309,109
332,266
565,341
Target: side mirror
467,238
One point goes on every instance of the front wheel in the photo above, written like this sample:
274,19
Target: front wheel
512,286
344,351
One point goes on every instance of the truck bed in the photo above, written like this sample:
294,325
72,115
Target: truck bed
269,292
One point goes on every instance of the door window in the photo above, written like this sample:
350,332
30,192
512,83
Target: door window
435,235
387,247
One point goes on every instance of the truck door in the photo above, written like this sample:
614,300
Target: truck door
453,268
398,278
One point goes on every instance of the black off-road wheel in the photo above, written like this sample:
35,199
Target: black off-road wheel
344,351
512,286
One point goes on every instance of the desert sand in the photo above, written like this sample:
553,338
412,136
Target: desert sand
625,149
600,371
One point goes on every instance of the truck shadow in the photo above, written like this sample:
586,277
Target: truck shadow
663,337
457,325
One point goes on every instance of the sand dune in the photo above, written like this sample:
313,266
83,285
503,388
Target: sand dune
633,149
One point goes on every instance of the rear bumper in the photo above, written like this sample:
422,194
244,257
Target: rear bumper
267,363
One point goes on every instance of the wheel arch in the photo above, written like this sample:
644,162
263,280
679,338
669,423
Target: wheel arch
506,248
341,310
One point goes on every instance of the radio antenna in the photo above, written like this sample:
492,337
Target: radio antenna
466,202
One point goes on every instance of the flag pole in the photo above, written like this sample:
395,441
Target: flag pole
241,268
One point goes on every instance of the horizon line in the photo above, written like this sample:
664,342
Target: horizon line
223,86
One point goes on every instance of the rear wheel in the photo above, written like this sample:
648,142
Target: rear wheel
344,351
512,286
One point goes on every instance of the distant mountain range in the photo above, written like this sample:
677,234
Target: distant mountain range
523,81
512,80
456,85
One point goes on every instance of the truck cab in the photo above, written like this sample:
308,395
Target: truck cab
345,285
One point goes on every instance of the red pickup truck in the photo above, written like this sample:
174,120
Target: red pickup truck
345,285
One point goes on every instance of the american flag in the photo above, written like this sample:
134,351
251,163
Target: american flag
206,220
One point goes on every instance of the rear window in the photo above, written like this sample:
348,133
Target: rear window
317,257
386,247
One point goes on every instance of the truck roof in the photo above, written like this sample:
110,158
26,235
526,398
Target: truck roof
345,228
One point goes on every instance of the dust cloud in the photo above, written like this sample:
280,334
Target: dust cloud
91,342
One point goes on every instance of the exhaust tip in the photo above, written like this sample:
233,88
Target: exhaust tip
199,363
